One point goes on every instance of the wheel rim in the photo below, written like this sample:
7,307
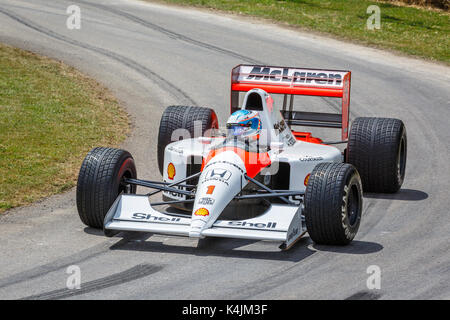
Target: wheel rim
401,160
123,186
353,205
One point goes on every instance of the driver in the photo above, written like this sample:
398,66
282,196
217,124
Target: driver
245,124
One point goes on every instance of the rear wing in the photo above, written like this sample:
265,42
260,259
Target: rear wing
297,81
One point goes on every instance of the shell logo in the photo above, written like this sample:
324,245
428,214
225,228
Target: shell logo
307,179
201,212
171,171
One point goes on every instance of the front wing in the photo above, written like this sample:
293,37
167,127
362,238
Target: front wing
134,213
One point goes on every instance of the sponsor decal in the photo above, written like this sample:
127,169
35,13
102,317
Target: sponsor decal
227,162
305,182
177,150
210,189
148,216
309,158
218,174
203,212
280,126
291,141
270,225
175,194
206,201
171,171
296,76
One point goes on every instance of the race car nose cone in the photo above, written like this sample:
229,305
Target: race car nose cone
221,179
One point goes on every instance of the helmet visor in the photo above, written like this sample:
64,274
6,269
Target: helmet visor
238,129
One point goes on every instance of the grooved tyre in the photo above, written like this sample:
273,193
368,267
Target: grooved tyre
100,181
333,203
182,117
377,147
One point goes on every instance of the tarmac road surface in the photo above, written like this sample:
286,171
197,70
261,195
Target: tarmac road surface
152,56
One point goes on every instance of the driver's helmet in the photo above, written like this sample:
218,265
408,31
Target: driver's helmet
244,123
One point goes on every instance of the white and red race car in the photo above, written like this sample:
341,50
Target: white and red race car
275,186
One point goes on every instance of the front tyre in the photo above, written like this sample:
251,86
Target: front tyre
333,203
183,117
100,181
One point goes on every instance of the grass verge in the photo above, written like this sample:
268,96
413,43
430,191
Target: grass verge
50,117
414,31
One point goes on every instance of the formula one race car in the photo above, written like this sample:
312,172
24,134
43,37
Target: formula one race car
259,179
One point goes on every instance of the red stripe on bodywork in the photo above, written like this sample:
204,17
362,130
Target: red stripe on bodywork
270,88
254,161
307,137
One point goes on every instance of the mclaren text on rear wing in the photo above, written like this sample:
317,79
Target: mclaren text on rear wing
297,81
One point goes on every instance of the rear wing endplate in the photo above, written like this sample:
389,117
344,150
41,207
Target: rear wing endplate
297,81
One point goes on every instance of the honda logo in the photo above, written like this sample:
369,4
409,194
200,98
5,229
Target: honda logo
218,173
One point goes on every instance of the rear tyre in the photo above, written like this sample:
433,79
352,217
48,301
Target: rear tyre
182,117
377,147
333,203
100,181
